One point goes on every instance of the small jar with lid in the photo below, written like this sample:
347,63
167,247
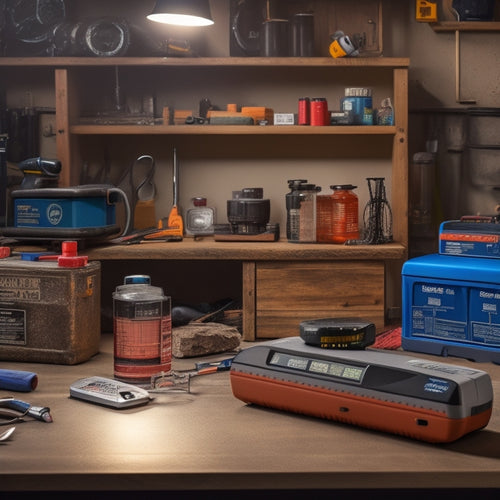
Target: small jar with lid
200,219
337,215
345,213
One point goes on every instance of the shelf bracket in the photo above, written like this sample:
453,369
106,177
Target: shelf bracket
458,96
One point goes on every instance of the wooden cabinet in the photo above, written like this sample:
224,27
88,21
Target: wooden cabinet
323,289
318,280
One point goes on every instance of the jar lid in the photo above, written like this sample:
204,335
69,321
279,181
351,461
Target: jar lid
135,279
343,187
199,201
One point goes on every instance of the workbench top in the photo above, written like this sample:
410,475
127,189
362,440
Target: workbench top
209,440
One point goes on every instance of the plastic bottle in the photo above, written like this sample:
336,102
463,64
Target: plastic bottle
142,327
344,213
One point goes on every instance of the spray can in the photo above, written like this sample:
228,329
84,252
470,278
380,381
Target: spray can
301,211
319,112
142,327
304,117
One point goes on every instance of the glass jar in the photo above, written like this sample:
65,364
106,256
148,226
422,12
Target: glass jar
301,211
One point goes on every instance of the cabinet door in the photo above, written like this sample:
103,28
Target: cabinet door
290,292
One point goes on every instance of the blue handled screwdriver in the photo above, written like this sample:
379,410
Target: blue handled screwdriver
18,380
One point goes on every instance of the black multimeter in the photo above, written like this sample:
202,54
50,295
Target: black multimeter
338,333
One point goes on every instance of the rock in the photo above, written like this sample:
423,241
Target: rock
201,339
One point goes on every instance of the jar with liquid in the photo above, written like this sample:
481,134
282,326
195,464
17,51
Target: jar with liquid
301,211
142,328
338,215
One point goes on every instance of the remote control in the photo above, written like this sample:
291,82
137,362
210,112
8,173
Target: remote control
109,392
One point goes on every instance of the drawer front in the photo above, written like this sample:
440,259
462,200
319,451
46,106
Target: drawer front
290,292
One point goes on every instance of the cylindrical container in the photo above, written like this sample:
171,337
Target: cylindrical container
344,213
304,115
324,218
319,111
422,181
337,215
142,327
301,211
274,38
248,212
358,101
302,35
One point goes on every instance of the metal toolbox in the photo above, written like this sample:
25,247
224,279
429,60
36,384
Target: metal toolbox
49,314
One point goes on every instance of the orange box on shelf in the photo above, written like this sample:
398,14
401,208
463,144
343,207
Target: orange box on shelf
258,113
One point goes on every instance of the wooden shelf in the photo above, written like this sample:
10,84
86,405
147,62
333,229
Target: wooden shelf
376,268
229,130
62,62
447,26
208,249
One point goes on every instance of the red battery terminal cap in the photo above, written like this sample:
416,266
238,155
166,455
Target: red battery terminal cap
4,252
69,256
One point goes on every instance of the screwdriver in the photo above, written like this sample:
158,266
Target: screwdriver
18,380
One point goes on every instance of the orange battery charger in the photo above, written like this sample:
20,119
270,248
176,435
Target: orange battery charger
416,398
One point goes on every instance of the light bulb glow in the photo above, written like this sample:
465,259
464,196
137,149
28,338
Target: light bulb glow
180,19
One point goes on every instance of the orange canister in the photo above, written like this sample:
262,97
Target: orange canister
337,215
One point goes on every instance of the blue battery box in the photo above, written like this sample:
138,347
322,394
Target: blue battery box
74,207
451,307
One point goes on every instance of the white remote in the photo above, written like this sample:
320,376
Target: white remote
109,392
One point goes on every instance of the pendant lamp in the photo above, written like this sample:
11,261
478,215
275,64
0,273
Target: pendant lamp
182,12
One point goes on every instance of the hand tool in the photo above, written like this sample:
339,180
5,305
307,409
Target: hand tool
17,380
144,210
173,227
180,380
39,172
41,413
175,218
6,435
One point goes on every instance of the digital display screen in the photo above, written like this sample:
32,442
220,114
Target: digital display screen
319,366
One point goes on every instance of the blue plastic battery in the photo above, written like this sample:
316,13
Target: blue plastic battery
451,307
75,207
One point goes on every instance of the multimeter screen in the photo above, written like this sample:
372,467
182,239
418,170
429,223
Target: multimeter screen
319,366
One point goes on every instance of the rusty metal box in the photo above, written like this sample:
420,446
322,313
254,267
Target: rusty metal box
49,314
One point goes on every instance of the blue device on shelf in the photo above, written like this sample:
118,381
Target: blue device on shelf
451,307
470,239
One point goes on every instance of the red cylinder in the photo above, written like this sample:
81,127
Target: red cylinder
304,111
319,111
344,214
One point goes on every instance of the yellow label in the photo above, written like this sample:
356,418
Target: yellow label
336,50
426,11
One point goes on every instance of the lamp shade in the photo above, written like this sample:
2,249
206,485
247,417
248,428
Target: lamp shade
182,12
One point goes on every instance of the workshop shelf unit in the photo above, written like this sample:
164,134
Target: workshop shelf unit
321,280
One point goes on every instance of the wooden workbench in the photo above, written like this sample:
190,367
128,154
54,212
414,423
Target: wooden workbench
209,440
